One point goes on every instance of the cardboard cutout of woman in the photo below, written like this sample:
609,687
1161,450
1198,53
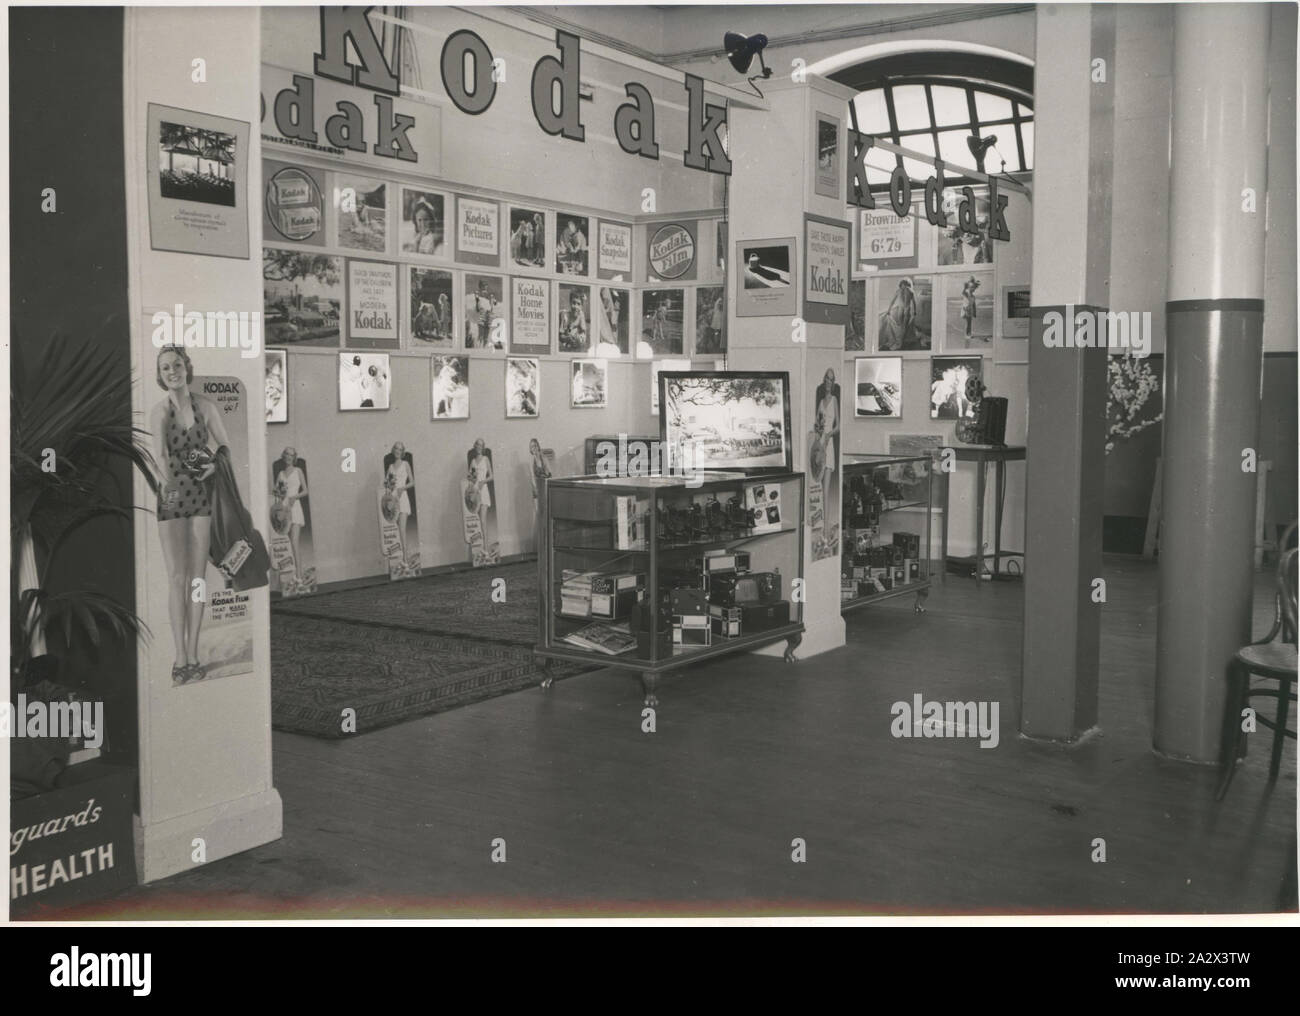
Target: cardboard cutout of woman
291,518
399,501
481,480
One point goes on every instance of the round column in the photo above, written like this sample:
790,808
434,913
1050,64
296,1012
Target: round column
1213,363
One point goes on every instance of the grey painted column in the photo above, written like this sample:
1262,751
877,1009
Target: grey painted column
1213,366
1065,450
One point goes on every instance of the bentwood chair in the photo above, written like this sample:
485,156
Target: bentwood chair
1272,659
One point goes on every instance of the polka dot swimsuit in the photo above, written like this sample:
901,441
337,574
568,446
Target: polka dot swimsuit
191,498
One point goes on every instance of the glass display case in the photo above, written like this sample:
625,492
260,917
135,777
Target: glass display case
887,529
652,573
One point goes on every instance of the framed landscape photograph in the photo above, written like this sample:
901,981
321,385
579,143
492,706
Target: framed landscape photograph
302,296
732,420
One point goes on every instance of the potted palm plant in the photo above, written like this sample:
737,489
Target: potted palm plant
69,425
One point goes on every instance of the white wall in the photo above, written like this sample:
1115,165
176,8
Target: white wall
205,749
344,525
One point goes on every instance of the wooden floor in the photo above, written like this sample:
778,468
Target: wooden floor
698,818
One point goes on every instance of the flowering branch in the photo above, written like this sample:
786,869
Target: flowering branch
1132,383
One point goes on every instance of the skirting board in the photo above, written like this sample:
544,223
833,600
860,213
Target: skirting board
167,848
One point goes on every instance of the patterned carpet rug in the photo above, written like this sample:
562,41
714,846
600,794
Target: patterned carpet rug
391,653
454,603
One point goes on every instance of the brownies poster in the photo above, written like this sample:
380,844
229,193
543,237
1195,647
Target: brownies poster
198,183
530,322
372,305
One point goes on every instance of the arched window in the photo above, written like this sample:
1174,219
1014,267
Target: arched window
931,101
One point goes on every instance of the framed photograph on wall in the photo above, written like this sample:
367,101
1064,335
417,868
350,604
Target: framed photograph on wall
302,297
611,322
726,420
432,318
765,279
529,239
449,387
372,305
478,231
423,228
956,247
361,213
487,315
826,257
523,387
364,381
198,183
1015,312
572,318
572,256
949,392
277,386
968,311
855,331
663,323
710,321
530,316
903,312
879,392
826,180
590,384
613,251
